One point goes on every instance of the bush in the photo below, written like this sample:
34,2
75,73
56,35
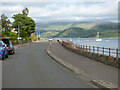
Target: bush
33,37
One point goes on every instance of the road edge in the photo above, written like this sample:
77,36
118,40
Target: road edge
104,85
20,45
62,62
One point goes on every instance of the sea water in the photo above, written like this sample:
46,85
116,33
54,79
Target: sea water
112,43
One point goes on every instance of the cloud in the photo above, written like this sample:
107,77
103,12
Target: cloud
11,8
65,11
59,1
77,11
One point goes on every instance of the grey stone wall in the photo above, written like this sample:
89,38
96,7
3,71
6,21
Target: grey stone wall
108,60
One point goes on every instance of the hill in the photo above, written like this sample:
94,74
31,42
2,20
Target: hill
48,34
83,29
106,31
64,25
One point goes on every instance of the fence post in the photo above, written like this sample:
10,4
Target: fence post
83,47
79,47
86,48
89,49
93,49
103,50
97,50
109,51
76,47
117,52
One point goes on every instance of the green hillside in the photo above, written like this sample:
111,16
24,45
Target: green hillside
64,25
48,34
106,31
79,29
53,26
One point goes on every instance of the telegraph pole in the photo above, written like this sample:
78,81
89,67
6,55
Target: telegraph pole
37,35
18,35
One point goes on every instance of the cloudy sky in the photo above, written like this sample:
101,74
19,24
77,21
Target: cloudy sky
63,11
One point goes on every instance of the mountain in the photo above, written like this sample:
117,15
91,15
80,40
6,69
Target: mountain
63,25
106,31
73,32
48,34
79,29
102,27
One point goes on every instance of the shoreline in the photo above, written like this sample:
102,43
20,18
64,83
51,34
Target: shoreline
95,38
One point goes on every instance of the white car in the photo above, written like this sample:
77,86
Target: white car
50,39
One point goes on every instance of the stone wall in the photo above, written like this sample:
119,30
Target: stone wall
108,60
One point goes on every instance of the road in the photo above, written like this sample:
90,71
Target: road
31,67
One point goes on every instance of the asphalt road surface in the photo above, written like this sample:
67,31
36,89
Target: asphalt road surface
31,67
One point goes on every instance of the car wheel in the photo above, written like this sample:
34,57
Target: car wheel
7,55
11,52
14,52
3,57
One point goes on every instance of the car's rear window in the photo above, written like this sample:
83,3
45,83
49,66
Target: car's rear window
0,43
6,41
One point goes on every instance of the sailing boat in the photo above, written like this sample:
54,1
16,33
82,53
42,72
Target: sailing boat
98,39
78,39
70,39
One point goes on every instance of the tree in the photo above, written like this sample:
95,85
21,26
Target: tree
33,37
25,24
0,28
5,25
25,11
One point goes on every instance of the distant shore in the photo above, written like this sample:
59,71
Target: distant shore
111,37
89,37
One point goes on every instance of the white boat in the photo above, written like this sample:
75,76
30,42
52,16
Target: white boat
98,39
107,40
70,39
78,39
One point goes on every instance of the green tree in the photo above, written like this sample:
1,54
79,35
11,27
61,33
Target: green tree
5,25
25,24
25,11
33,37
0,28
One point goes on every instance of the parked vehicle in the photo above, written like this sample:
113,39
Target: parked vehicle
3,50
11,49
50,39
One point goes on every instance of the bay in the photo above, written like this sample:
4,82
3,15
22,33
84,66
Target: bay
112,43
